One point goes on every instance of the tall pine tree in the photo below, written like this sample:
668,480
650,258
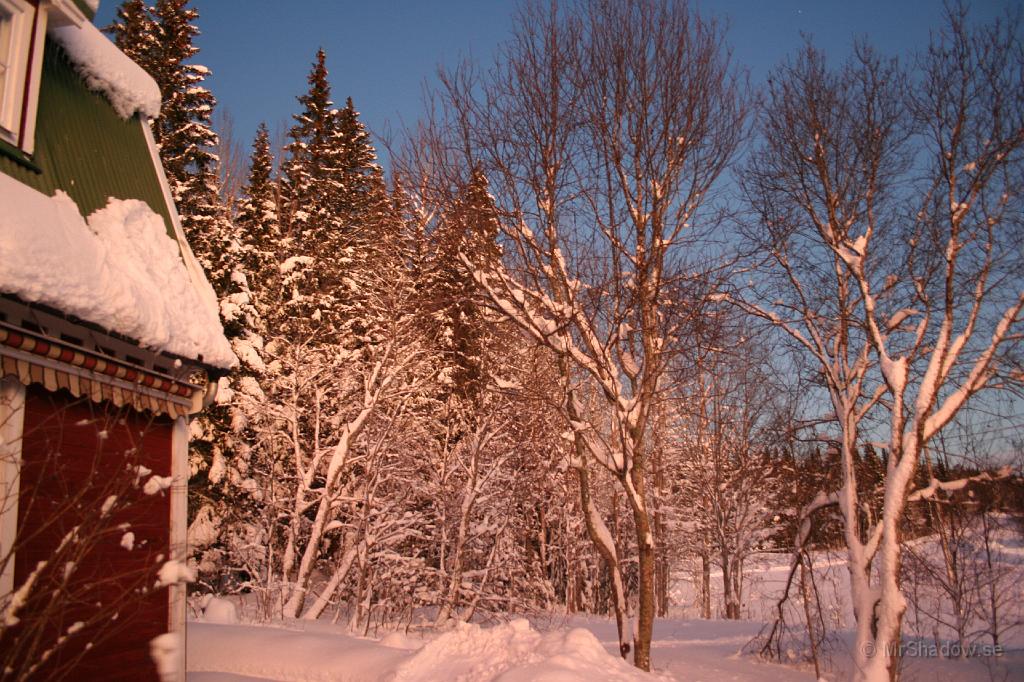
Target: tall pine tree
309,182
160,39
184,130
257,226
308,185
462,330
372,227
135,32
224,435
411,223
338,219
361,197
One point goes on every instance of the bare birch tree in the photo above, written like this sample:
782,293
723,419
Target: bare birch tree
909,314
602,131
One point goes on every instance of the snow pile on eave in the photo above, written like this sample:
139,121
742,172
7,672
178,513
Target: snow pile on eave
120,271
106,69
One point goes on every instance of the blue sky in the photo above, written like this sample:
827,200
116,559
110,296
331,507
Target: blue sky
381,52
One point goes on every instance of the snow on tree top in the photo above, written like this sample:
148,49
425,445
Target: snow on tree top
119,269
107,70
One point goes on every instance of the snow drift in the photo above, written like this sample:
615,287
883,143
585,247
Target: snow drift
515,652
512,652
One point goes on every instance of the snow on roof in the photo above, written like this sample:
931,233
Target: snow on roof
108,70
118,269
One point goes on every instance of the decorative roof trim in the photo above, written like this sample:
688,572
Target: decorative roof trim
55,364
51,323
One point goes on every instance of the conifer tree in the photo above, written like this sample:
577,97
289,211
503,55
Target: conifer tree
257,226
361,196
307,186
313,228
372,227
160,39
245,276
184,130
411,228
135,33
340,223
469,231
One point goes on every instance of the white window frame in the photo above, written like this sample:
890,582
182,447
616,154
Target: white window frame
12,423
177,592
19,98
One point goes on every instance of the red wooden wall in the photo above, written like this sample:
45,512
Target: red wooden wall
76,455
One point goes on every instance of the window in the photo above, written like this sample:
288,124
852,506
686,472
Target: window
17,108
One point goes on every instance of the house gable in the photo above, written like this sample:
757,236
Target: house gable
84,148
88,206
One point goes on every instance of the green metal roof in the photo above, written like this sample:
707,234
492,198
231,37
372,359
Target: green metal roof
84,148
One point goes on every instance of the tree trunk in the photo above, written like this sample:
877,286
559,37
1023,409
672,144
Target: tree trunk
602,539
993,598
661,579
705,586
805,593
661,567
340,573
635,488
737,588
645,612
728,587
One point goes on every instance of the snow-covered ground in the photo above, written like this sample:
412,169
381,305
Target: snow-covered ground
577,649
512,651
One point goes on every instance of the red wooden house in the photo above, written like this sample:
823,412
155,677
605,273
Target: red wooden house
109,341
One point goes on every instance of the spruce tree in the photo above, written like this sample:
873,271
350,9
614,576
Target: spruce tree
135,33
372,227
411,232
308,185
184,130
160,40
257,227
361,196
339,220
245,277
469,231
